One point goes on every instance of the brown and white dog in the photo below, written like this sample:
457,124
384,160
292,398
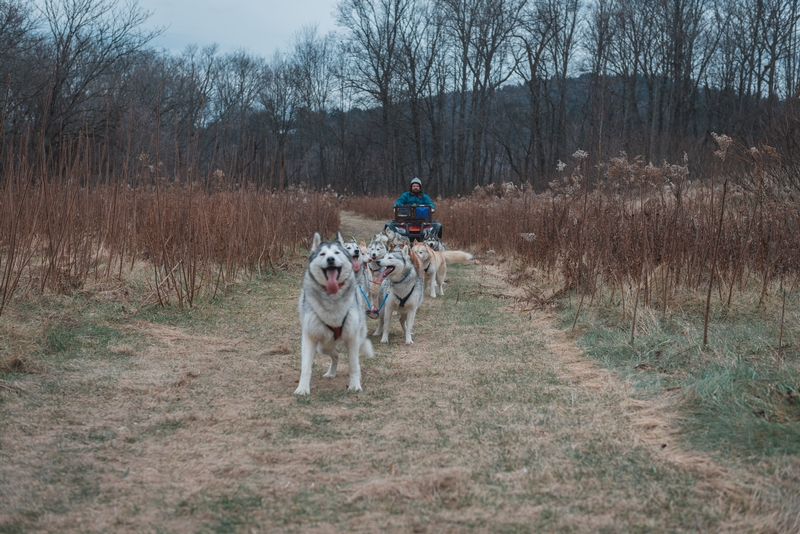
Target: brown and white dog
434,264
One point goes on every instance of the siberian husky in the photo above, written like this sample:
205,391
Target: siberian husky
435,264
402,284
376,250
434,267
395,240
432,240
330,312
358,252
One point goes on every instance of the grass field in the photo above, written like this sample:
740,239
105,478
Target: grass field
494,420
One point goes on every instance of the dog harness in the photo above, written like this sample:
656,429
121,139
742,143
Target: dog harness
337,331
405,299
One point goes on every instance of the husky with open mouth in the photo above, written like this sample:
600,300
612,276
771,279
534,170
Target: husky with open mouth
358,251
330,312
399,278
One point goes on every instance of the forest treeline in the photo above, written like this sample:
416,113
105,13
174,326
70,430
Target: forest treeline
458,92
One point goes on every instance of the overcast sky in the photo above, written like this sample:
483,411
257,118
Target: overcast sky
259,26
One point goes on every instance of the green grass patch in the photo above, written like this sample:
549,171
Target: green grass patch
738,396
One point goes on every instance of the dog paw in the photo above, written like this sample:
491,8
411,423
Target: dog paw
303,390
356,387
329,374
409,342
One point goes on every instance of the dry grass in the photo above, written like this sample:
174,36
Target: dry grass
644,227
61,233
185,421
375,208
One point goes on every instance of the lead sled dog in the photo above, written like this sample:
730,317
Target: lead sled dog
330,313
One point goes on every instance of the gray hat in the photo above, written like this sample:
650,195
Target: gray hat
416,181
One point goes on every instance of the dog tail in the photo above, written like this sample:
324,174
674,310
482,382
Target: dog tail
457,256
366,349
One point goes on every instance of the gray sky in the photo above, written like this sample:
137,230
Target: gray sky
260,27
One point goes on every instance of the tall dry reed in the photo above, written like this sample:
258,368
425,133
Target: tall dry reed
646,231
60,229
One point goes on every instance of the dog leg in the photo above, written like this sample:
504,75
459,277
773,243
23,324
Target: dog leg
409,324
386,319
307,350
355,369
334,362
433,285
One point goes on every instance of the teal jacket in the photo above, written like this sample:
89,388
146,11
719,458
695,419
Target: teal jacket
415,200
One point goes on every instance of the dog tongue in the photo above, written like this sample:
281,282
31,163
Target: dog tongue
332,286
381,276
356,264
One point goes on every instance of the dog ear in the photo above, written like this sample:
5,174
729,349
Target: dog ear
362,243
339,238
405,251
315,243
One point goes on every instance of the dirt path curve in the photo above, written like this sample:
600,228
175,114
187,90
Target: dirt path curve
492,421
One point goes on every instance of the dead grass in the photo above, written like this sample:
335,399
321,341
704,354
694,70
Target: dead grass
491,422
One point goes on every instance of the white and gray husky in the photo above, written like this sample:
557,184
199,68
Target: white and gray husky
376,251
361,267
432,240
330,312
405,290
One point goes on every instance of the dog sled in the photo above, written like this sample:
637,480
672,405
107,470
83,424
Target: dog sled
413,222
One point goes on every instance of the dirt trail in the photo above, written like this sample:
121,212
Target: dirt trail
490,421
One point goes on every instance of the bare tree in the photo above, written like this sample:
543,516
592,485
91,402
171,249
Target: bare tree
536,32
279,99
314,67
600,34
20,66
562,48
372,35
421,39
89,39
482,31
